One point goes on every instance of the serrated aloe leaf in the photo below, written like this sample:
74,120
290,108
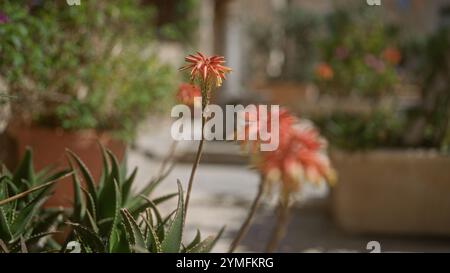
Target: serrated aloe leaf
91,221
206,245
149,188
88,179
88,238
79,206
11,207
38,236
173,235
90,206
114,240
122,245
203,246
126,187
5,229
156,201
29,240
149,216
25,215
155,209
115,169
116,218
109,207
27,192
160,231
25,169
197,239
135,236
151,238
105,169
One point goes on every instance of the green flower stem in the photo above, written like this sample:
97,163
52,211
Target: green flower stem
194,168
247,223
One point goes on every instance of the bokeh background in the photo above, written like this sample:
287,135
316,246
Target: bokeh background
374,80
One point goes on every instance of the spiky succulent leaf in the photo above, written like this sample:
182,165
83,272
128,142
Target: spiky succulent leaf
5,229
126,187
152,241
88,238
206,245
134,233
136,211
173,235
24,171
197,239
109,207
88,179
25,216
79,205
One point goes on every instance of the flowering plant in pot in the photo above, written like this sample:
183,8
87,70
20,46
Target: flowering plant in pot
407,135
79,75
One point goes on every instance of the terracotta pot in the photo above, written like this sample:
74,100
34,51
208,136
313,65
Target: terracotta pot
392,192
49,146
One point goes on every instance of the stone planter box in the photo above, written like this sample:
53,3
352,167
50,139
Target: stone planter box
392,192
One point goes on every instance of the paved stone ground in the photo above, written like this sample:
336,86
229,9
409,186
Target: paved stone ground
223,192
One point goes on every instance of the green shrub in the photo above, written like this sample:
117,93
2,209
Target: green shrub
360,49
87,66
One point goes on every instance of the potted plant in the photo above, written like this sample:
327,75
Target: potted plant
392,158
80,75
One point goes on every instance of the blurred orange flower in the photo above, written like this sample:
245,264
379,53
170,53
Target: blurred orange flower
300,157
392,55
285,121
324,71
186,93
207,69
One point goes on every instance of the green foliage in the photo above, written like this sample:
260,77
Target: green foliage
180,24
163,235
96,208
87,66
301,30
429,61
108,217
426,124
358,131
354,45
23,223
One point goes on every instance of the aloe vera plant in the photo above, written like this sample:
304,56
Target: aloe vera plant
107,217
24,224
96,209
154,234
